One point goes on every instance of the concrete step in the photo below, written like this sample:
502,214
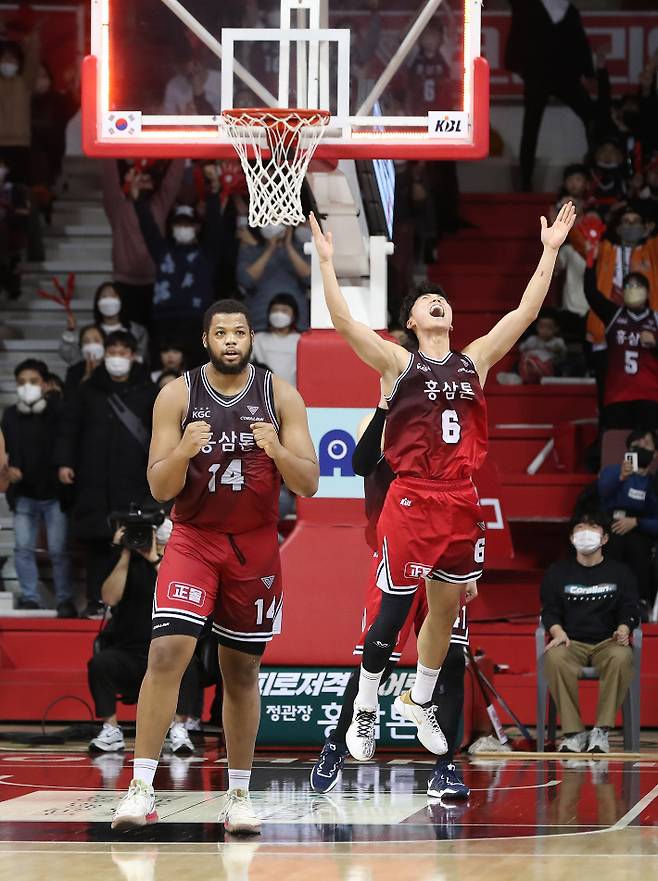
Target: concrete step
63,267
85,231
85,285
47,352
78,213
74,249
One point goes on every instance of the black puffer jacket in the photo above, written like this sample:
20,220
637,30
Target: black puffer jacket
109,463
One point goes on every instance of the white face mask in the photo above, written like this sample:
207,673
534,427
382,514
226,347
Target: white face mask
109,306
95,351
586,541
184,235
117,365
273,231
8,69
163,532
280,320
29,393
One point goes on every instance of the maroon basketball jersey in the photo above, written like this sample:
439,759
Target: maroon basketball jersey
436,428
231,483
429,85
632,373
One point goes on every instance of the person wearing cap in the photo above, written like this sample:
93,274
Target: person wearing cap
185,263
119,662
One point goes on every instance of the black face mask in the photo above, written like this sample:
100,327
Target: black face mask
644,457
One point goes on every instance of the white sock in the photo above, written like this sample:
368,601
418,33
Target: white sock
424,685
238,779
368,688
144,770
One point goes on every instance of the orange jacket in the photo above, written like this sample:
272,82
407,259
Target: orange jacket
644,259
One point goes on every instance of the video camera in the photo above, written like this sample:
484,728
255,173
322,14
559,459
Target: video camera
138,525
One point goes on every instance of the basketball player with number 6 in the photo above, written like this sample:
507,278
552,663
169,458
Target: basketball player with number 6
224,435
435,440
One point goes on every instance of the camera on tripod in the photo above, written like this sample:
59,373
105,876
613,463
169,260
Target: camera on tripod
138,525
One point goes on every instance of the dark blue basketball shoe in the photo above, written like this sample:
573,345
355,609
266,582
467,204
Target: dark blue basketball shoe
325,772
446,782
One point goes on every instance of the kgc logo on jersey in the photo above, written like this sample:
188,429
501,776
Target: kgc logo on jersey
201,413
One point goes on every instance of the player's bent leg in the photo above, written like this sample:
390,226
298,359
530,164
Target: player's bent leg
443,600
168,660
241,718
378,646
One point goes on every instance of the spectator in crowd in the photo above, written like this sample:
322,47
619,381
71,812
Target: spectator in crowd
14,212
630,382
166,377
271,261
648,192
91,341
54,387
35,495
276,347
609,174
589,607
541,354
171,358
196,90
542,32
628,494
119,667
102,450
185,262
576,183
132,266
628,245
571,264
18,73
51,111
109,316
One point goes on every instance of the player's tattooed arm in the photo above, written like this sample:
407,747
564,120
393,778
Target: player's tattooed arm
171,448
487,350
389,359
292,449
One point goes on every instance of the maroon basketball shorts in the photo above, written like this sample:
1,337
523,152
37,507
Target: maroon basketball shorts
236,580
429,529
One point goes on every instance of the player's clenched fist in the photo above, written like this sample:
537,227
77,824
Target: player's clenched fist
266,437
195,436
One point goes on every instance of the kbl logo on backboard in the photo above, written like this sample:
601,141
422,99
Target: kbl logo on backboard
334,433
448,123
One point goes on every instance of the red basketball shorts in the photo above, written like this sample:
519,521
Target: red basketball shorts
429,529
234,579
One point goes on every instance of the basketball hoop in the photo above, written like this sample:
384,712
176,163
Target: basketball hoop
275,146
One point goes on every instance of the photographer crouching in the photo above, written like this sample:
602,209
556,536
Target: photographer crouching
120,655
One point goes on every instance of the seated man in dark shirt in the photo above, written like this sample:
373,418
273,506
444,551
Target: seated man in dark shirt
589,608
119,668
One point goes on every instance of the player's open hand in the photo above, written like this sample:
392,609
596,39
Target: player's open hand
324,244
553,236
195,437
266,438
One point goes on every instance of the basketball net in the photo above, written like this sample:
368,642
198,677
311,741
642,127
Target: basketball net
275,147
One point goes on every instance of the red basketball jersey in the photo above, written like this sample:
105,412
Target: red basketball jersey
436,428
231,483
632,373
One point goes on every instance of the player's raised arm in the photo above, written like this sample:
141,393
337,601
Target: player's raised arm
292,450
386,357
171,448
487,350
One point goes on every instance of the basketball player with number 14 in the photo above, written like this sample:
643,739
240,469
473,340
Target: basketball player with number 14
224,435
434,441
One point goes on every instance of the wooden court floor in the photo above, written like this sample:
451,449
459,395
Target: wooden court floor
542,819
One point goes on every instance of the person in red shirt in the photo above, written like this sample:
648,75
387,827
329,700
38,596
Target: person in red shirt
435,440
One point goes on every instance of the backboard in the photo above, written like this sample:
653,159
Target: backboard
402,79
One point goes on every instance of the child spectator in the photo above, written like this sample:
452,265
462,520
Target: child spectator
276,347
576,183
541,354
166,377
609,173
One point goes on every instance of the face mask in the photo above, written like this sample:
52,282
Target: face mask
635,296
631,233
280,320
29,393
109,306
586,541
644,457
303,234
8,69
184,235
163,532
95,351
273,231
117,365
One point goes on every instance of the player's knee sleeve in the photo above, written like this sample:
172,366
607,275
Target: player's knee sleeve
391,616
